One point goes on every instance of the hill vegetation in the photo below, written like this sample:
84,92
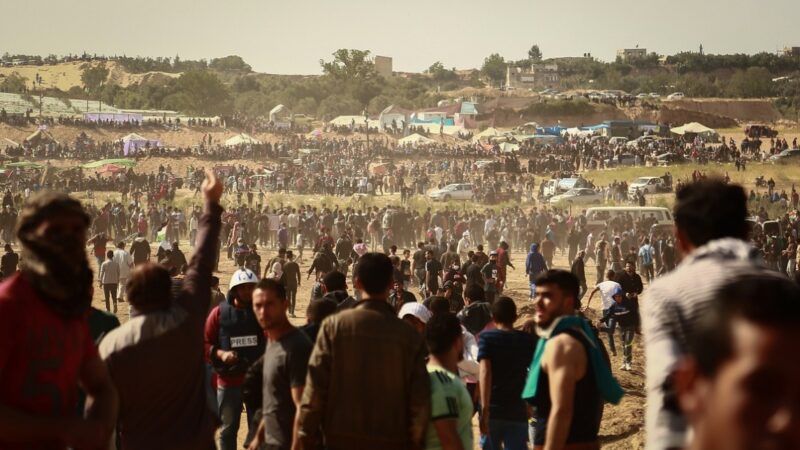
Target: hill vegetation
349,85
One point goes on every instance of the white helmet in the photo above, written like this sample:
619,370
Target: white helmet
243,276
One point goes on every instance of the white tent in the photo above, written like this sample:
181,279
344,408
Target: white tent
434,128
487,134
356,121
698,129
394,114
280,113
508,147
240,139
415,140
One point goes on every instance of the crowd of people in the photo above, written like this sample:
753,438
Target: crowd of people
377,366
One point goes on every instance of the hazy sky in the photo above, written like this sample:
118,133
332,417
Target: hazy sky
291,36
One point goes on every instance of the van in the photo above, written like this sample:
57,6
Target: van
559,186
598,217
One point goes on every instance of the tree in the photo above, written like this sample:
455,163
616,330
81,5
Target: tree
534,54
232,62
201,92
93,77
439,73
751,83
349,65
494,68
14,83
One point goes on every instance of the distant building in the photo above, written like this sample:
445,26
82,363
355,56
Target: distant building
538,75
629,54
383,65
791,51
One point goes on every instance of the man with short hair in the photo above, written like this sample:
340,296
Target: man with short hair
285,367
433,270
711,232
491,280
167,334
450,427
504,355
647,258
140,249
354,351
736,384
607,289
9,262
125,262
291,280
569,378
335,288
476,313
46,350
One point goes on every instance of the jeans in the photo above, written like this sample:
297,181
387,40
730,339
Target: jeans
110,292
648,272
229,400
506,434
626,335
612,325
211,398
291,295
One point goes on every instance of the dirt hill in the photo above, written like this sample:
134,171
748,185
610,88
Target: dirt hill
64,76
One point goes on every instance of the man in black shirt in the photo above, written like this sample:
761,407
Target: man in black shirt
433,269
631,283
285,367
476,313
399,296
8,262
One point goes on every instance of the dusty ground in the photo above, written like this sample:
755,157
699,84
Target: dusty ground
622,425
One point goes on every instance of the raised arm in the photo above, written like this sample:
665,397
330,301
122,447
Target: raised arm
197,284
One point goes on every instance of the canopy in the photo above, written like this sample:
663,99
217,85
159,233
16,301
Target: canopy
241,139
116,162
415,140
280,113
25,165
112,169
508,147
487,134
40,136
693,127
133,142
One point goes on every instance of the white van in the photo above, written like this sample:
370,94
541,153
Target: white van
598,217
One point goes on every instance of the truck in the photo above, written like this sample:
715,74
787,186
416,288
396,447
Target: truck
557,186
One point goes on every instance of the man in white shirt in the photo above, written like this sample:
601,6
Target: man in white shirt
607,289
125,262
464,245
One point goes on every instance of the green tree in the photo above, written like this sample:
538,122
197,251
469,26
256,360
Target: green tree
201,92
751,83
439,73
494,68
534,54
14,83
338,105
349,65
93,77
232,62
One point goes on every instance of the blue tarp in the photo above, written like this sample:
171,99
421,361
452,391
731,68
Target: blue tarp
447,122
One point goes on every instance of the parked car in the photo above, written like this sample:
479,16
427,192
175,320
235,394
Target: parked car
648,185
786,157
676,96
654,95
642,96
581,195
759,131
625,159
456,191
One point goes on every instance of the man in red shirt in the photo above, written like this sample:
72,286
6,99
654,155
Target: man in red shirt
45,346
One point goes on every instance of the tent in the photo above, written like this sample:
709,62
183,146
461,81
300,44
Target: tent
696,129
394,114
133,142
112,169
5,142
415,140
487,134
356,121
241,139
280,114
40,136
103,162
508,147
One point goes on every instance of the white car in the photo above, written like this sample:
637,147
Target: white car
648,185
654,95
453,192
580,195
642,95
676,96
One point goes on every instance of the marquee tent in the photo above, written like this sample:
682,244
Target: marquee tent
487,134
694,128
280,113
133,142
241,139
415,140
40,136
